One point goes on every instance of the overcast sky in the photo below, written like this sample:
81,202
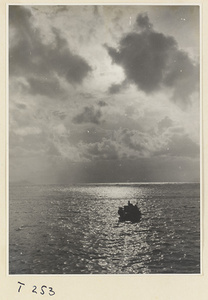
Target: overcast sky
104,93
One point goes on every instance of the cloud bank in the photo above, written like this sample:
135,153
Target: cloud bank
31,55
152,61
79,113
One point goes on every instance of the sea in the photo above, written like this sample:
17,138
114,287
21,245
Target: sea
75,229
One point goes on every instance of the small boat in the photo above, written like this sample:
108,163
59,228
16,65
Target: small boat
129,212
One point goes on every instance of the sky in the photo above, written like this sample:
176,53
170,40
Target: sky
104,94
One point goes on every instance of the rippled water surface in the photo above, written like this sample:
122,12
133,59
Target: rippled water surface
75,229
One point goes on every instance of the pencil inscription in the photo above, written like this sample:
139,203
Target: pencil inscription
43,290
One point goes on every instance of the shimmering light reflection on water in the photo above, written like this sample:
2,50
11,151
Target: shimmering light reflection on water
75,230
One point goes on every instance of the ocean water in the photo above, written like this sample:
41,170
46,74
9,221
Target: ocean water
59,229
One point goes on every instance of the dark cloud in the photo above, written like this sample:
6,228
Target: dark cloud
44,86
89,115
51,10
165,123
102,103
173,143
89,135
152,60
182,76
135,140
19,17
116,88
143,22
73,67
29,55
21,106
120,145
20,117
106,150
59,114
143,57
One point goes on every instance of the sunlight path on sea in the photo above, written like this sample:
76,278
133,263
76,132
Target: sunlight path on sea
75,229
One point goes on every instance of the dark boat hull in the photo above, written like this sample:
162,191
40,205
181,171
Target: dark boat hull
129,213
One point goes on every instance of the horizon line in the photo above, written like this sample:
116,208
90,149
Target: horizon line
25,182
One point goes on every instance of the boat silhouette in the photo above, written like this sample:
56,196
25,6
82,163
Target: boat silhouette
129,212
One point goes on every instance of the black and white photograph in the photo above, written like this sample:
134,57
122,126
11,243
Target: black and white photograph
104,132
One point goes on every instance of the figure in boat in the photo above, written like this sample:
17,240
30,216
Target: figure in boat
129,212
